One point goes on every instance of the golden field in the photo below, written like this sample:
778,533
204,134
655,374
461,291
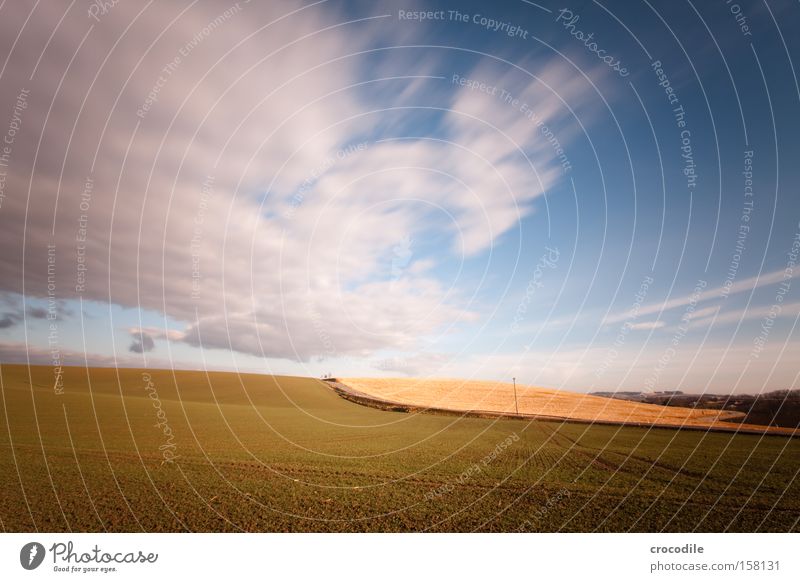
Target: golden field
498,397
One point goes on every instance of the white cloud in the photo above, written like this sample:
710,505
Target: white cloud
220,207
742,286
647,325
790,310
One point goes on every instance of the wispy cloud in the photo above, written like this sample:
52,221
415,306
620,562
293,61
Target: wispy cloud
789,310
647,325
715,293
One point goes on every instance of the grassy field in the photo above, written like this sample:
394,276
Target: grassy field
132,450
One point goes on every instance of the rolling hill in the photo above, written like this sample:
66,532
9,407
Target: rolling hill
479,398
157,450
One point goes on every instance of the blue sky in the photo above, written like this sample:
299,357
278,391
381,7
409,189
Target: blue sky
518,206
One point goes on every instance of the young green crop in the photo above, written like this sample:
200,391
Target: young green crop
263,453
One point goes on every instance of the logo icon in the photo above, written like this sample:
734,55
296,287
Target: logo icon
31,555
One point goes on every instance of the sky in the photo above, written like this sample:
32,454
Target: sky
592,196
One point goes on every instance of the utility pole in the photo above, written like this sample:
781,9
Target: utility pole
516,407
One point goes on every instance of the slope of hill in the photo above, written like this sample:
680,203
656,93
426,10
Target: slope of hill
156,450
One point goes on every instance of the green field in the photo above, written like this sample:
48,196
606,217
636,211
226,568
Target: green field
261,453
